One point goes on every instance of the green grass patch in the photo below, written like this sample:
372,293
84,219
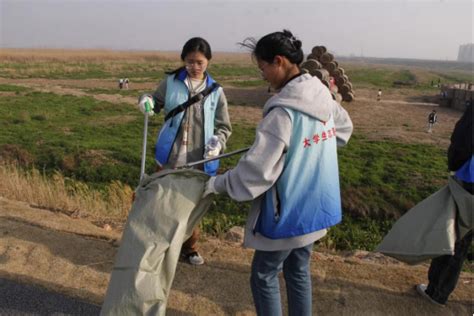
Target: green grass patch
89,140
384,178
153,70
248,83
356,233
379,77
385,77
233,70
12,88
123,92
85,70
455,77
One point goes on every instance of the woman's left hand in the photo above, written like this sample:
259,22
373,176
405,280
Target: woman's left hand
210,189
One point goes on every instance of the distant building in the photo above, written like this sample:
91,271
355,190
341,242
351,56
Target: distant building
466,53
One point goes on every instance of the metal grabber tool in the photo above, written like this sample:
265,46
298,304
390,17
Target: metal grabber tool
200,162
145,134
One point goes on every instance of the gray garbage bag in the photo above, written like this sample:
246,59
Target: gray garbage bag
431,228
167,206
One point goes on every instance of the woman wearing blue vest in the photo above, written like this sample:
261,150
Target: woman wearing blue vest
197,122
290,173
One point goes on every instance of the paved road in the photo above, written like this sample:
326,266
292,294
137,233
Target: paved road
22,299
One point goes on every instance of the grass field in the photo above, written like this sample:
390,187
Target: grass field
96,143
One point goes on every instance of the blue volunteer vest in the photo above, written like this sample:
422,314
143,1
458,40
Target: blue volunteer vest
306,197
466,172
177,93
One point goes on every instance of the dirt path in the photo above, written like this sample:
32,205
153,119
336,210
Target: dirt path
401,118
74,257
22,299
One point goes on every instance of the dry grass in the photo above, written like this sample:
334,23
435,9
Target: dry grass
82,55
65,195
66,55
81,64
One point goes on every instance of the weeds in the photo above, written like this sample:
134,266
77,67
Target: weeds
64,194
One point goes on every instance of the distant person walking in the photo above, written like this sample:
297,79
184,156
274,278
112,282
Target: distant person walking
379,95
120,83
125,82
432,119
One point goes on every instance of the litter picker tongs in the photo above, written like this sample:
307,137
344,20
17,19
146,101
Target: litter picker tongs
200,162
186,166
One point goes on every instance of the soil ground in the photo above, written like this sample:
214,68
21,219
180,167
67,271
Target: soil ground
74,257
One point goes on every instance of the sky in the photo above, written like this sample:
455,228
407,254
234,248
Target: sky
421,29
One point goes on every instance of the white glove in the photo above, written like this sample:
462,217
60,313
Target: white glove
213,147
146,104
210,189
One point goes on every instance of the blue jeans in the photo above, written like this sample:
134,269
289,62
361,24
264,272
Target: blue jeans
265,285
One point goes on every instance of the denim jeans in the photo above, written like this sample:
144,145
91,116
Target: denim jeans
190,245
444,271
265,285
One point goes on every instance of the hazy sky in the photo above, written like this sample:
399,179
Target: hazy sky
424,29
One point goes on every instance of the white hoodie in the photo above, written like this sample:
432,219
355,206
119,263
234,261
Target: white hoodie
259,169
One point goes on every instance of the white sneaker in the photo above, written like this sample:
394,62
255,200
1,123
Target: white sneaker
195,258
421,289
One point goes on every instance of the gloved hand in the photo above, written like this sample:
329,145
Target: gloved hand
146,104
210,189
213,147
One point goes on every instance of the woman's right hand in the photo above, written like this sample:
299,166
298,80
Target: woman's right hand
146,104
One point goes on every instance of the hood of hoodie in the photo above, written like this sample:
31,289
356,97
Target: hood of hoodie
305,94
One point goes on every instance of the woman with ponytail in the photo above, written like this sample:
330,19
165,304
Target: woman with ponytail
290,173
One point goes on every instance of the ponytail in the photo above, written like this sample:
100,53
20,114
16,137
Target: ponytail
277,43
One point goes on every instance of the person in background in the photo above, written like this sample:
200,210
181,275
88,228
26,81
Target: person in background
290,173
379,95
126,81
120,84
191,132
444,271
432,119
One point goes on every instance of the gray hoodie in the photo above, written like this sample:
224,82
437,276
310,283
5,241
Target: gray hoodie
259,169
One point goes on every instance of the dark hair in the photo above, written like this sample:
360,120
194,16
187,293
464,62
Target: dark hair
277,43
195,44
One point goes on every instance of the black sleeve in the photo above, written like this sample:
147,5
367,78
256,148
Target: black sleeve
461,147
